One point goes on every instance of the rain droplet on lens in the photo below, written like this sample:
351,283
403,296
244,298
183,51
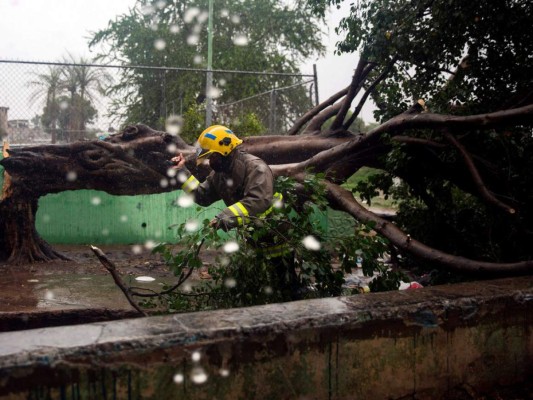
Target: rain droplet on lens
136,249
224,13
178,378
193,40
198,59
160,44
161,4
149,244
231,246
171,148
174,28
214,92
230,283
163,183
240,40
267,290
198,375
182,177
46,218
311,243
105,232
190,14
49,295
144,279
191,225
224,372
72,176
222,82
147,10
235,19
123,218
96,201
229,182
171,172
185,200
196,356
63,105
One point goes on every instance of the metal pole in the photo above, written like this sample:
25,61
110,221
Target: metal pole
209,75
315,77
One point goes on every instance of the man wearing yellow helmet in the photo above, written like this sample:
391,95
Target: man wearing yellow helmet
246,185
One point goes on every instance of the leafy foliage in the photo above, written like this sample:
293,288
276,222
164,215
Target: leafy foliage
248,35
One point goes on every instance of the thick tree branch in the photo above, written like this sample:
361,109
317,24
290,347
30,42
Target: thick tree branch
343,199
478,181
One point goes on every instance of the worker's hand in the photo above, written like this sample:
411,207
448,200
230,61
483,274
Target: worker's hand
179,161
213,223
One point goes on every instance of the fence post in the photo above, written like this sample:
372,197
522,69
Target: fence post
315,77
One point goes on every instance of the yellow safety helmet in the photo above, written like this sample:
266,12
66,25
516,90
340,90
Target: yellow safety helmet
216,139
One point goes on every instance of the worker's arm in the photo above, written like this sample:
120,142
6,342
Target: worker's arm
204,193
257,198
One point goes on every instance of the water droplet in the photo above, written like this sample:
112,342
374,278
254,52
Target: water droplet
224,261
96,201
229,182
311,243
198,375
178,378
231,246
204,15
198,59
63,105
268,290
193,40
196,29
144,279
149,244
182,177
240,39
72,176
171,148
230,283
222,82
158,234
49,295
147,10
174,124
46,218
163,183
136,249
190,14
185,200
123,218
173,182
214,92
171,172
235,19
187,288
105,232
33,280
161,4
174,28
224,13
196,356
160,44
278,204
224,372
191,225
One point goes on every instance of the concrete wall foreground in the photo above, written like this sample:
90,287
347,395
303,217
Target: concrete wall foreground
432,343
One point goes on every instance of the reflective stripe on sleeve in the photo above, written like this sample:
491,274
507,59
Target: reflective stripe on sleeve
275,251
190,184
278,197
240,212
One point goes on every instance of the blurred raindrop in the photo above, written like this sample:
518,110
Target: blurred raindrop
163,182
171,148
190,14
123,218
224,261
224,372
193,40
49,295
63,105
222,82
72,176
173,182
196,356
198,375
185,200
224,13
204,15
136,249
33,280
240,39
214,92
46,218
160,44
311,243
231,246
158,234
182,177
147,9
96,201
149,244
171,172
235,19
105,232
191,225
173,125
178,378
198,59
230,283
174,28
267,290
196,29
229,182
161,4
187,288
144,279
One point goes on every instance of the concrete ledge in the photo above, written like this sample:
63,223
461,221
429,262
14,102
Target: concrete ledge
426,343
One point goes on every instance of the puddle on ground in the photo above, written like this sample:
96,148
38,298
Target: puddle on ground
24,291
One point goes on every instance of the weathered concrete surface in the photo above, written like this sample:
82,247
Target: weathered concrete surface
432,343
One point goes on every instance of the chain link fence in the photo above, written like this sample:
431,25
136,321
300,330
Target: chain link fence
54,102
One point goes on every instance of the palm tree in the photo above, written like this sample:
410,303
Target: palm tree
48,86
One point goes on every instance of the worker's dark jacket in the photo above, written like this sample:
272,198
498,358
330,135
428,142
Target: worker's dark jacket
247,190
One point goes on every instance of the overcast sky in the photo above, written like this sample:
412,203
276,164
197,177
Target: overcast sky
45,30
